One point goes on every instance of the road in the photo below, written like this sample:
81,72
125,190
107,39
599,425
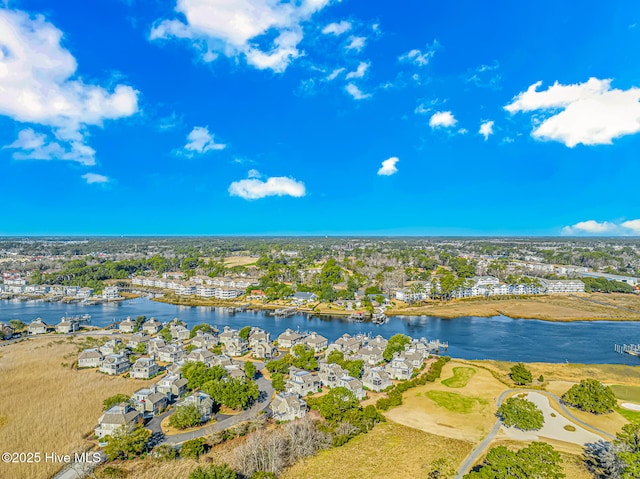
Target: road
477,452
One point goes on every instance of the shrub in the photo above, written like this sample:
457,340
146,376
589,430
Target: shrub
521,375
193,449
213,472
520,413
185,417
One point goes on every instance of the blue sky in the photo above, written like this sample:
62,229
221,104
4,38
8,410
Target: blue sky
319,117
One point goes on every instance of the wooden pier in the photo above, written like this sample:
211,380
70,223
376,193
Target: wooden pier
285,312
632,349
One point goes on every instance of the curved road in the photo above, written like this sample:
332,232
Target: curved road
475,454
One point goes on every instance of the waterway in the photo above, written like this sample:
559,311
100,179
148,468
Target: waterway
498,337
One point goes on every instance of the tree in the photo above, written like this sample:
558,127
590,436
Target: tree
277,381
263,475
336,403
213,472
395,344
520,413
536,461
198,373
244,333
441,469
193,449
204,327
521,375
114,400
185,417
139,322
236,393
122,444
591,396
280,365
304,357
166,334
629,440
250,369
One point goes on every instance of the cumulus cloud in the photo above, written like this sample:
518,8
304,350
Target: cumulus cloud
334,74
360,71
253,173
254,188
236,29
356,93
442,119
593,227
419,57
201,141
356,43
591,113
486,129
337,28
388,167
37,86
92,178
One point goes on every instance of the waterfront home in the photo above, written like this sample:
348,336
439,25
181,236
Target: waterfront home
172,386
155,345
110,293
316,342
412,356
555,286
379,342
67,326
264,350
302,297
84,293
347,344
173,275
204,340
256,294
71,291
137,339
57,290
149,401
289,339
179,332
114,364
89,358
302,382
376,379
121,416
186,290
6,331
330,373
354,385
257,335
203,402
128,325
152,326
399,369
234,345
371,355
42,289
201,356
37,327
111,346
171,353
288,407
144,368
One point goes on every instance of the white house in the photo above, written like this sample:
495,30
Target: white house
114,364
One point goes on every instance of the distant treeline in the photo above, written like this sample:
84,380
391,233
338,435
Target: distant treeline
605,285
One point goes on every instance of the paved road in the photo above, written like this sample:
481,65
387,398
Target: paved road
477,452
79,470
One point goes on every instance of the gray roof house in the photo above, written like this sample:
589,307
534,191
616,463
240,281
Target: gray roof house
352,384
289,339
137,339
302,297
144,368
117,417
90,358
371,355
114,364
172,386
236,347
287,407
67,326
204,340
180,333
264,350
6,331
316,342
347,343
302,382
203,402
127,326
110,346
152,326
154,345
202,356
399,369
258,335
37,327
171,353
149,402
376,379
330,373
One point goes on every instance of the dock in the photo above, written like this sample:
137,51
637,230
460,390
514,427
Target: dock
285,312
631,349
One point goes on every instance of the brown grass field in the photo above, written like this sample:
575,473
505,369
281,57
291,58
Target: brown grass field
231,261
48,407
616,307
390,450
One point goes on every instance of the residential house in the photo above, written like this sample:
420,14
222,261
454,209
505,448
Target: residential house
330,373
180,333
413,357
302,297
111,346
371,355
302,382
84,293
144,368
37,327
67,326
110,293
152,326
71,291
203,402
204,340
137,339
288,406
257,335
155,345
264,350
256,294
128,325
171,353
233,343
316,342
114,364
376,379
149,402
379,342
6,331
121,416
399,369
90,358
172,386
202,356
352,384
289,339
348,344
42,289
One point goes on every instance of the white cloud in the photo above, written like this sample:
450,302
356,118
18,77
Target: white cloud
92,178
443,119
356,43
337,28
233,28
253,173
253,188
388,167
37,86
591,113
593,227
418,57
356,93
334,74
201,141
486,129
360,71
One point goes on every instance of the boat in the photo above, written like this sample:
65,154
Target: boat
85,318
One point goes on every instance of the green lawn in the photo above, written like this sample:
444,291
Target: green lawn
455,402
460,377
627,393
631,416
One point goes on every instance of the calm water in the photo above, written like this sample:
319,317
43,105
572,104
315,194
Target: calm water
498,337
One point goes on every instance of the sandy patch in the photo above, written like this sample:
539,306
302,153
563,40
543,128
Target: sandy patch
630,406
